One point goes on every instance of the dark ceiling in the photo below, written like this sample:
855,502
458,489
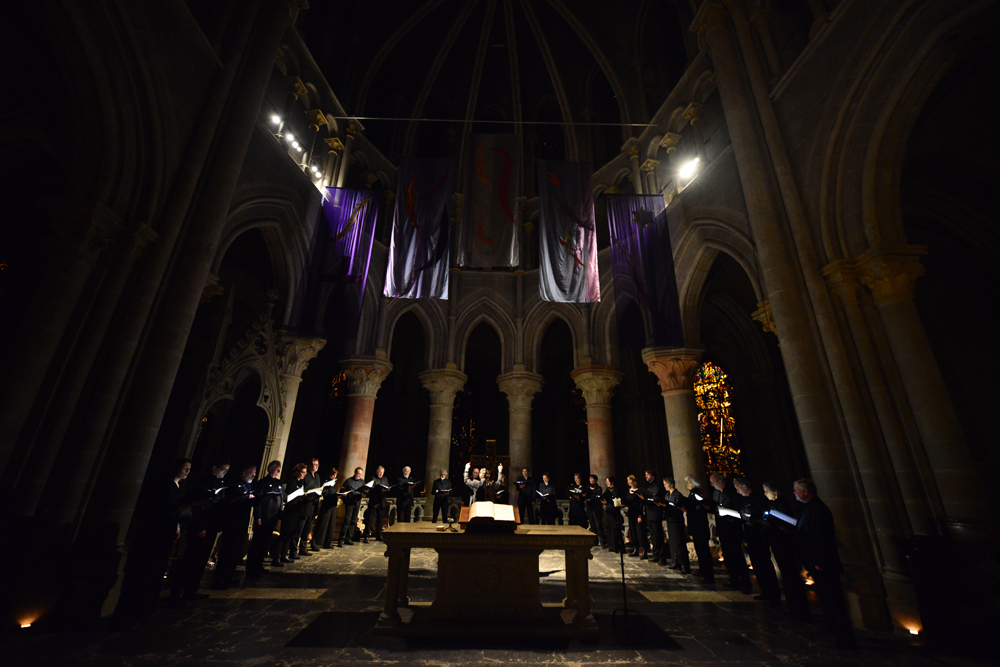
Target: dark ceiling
520,61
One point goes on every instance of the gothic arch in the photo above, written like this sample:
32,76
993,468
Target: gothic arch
537,322
486,309
431,318
859,188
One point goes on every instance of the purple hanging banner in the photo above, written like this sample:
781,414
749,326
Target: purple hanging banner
487,237
642,265
567,233
418,253
350,218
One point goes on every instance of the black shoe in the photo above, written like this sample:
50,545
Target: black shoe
340,543
747,591
364,540
675,567
643,557
277,563
314,548
378,538
685,570
303,552
733,586
286,559
348,543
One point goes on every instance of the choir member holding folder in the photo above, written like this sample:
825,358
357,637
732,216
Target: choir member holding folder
752,507
638,539
351,492
781,536
697,522
578,494
652,499
546,493
730,527
673,509
239,499
291,517
270,494
441,490
526,497
378,505
404,496
326,520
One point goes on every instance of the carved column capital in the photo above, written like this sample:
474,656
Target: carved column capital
844,280
764,316
294,353
334,144
711,15
669,141
674,367
366,374
693,112
520,387
295,87
317,119
597,383
890,273
650,165
443,384
631,148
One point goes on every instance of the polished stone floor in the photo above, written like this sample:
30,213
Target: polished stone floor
320,611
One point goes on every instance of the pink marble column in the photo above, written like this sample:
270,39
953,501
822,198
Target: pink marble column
443,384
674,369
366,376
597,383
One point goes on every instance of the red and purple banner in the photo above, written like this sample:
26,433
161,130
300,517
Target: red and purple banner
418,253
642,265
487,237
350,219
567,234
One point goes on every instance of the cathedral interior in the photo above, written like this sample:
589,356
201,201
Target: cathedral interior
826,168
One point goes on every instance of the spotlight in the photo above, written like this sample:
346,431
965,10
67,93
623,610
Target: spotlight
688,168
913,631
276,119
290,138
28,625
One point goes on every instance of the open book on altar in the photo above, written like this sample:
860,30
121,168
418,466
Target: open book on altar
485,516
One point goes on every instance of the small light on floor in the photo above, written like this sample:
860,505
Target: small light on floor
914,631
26,625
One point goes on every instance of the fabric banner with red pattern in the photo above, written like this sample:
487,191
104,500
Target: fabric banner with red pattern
488,235
567,235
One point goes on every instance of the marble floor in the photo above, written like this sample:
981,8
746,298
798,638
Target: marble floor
320,611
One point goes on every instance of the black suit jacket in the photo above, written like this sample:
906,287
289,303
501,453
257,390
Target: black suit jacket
817,539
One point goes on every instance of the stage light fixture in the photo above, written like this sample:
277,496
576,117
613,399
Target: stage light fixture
689,168
276,119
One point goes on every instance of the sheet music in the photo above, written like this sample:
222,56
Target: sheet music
295,494
317,490
370,484
784,517
725,511
332,482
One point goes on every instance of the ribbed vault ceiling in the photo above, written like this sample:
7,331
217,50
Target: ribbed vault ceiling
518,61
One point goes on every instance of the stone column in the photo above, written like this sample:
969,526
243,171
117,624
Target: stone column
597,383
366,376
156,367
80,234
443,384
345,160
761,20
632,148
890,273
649,168
520,387
294,354
334,146
674,369
809,376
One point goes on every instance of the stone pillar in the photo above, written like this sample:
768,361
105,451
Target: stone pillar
443,384
632,148
809,376
156,368
345,160
890,274
674,369
520,387
80,234
649,168
294,354
597,383
366,376
761,20
334,146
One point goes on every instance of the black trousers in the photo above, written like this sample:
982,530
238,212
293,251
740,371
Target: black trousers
527,511
637,534
350,523
326,522
677,534
654,524
831,600
613,530
787,558
195,561
731,540
440,506
763,568
595,519
549,510
404,510
374,518
260,544
230,553
706,566
308,516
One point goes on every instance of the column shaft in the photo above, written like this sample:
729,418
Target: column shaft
366,376
597,383
442,384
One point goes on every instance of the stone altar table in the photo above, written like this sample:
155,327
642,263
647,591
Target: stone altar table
488,584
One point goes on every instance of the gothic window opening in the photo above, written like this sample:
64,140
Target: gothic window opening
712,393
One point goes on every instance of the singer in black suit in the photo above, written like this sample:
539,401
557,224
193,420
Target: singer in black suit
547,508
404,496
378,506
352,491
595,510
697,521
653,501
730,536
781,536
441,490
326,519
676,530
526,497
614,539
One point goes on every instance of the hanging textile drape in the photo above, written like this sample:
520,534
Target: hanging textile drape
350,219
418,253
567,235
642,265
487,237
